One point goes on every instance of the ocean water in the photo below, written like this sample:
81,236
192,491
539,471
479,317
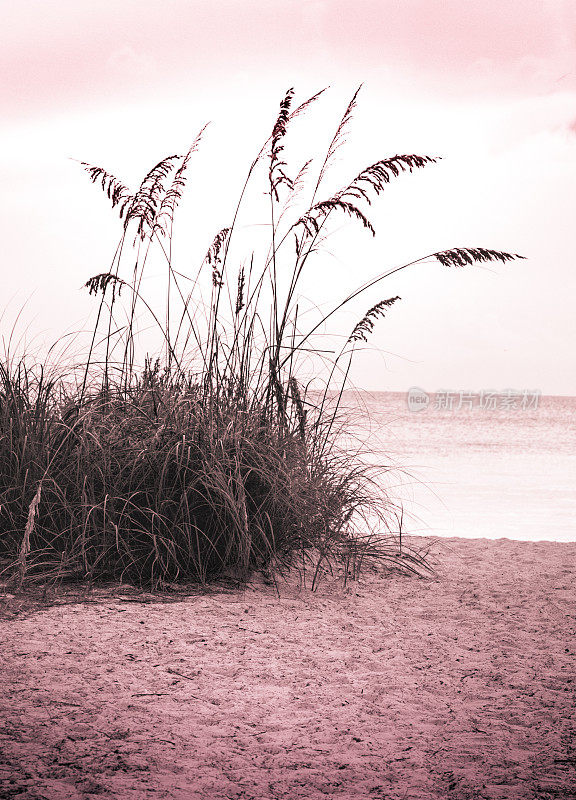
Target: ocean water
472,466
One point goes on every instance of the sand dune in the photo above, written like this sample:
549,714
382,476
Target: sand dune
457,686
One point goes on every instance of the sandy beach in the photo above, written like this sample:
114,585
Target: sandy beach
461,685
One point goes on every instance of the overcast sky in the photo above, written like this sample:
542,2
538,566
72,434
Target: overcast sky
490,86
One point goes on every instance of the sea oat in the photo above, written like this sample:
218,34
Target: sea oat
338,138
378,175
114,189
240,292
172,197
276,174
366,324
100,283
148,198
314,217
462,256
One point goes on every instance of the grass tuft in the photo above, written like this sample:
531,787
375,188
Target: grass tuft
218,457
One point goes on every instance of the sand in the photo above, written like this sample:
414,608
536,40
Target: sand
457,686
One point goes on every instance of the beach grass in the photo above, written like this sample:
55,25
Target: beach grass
217,456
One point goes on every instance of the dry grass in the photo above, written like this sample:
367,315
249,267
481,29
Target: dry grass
214,459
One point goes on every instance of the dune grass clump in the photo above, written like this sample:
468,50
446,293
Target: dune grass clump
219,456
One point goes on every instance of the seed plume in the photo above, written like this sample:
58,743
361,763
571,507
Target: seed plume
172,197
276,174
119,194
100,283
148,198
462,256
366,325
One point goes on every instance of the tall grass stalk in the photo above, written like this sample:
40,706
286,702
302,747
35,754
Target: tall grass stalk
218,457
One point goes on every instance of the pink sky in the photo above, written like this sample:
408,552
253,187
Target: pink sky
489,85
59,54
